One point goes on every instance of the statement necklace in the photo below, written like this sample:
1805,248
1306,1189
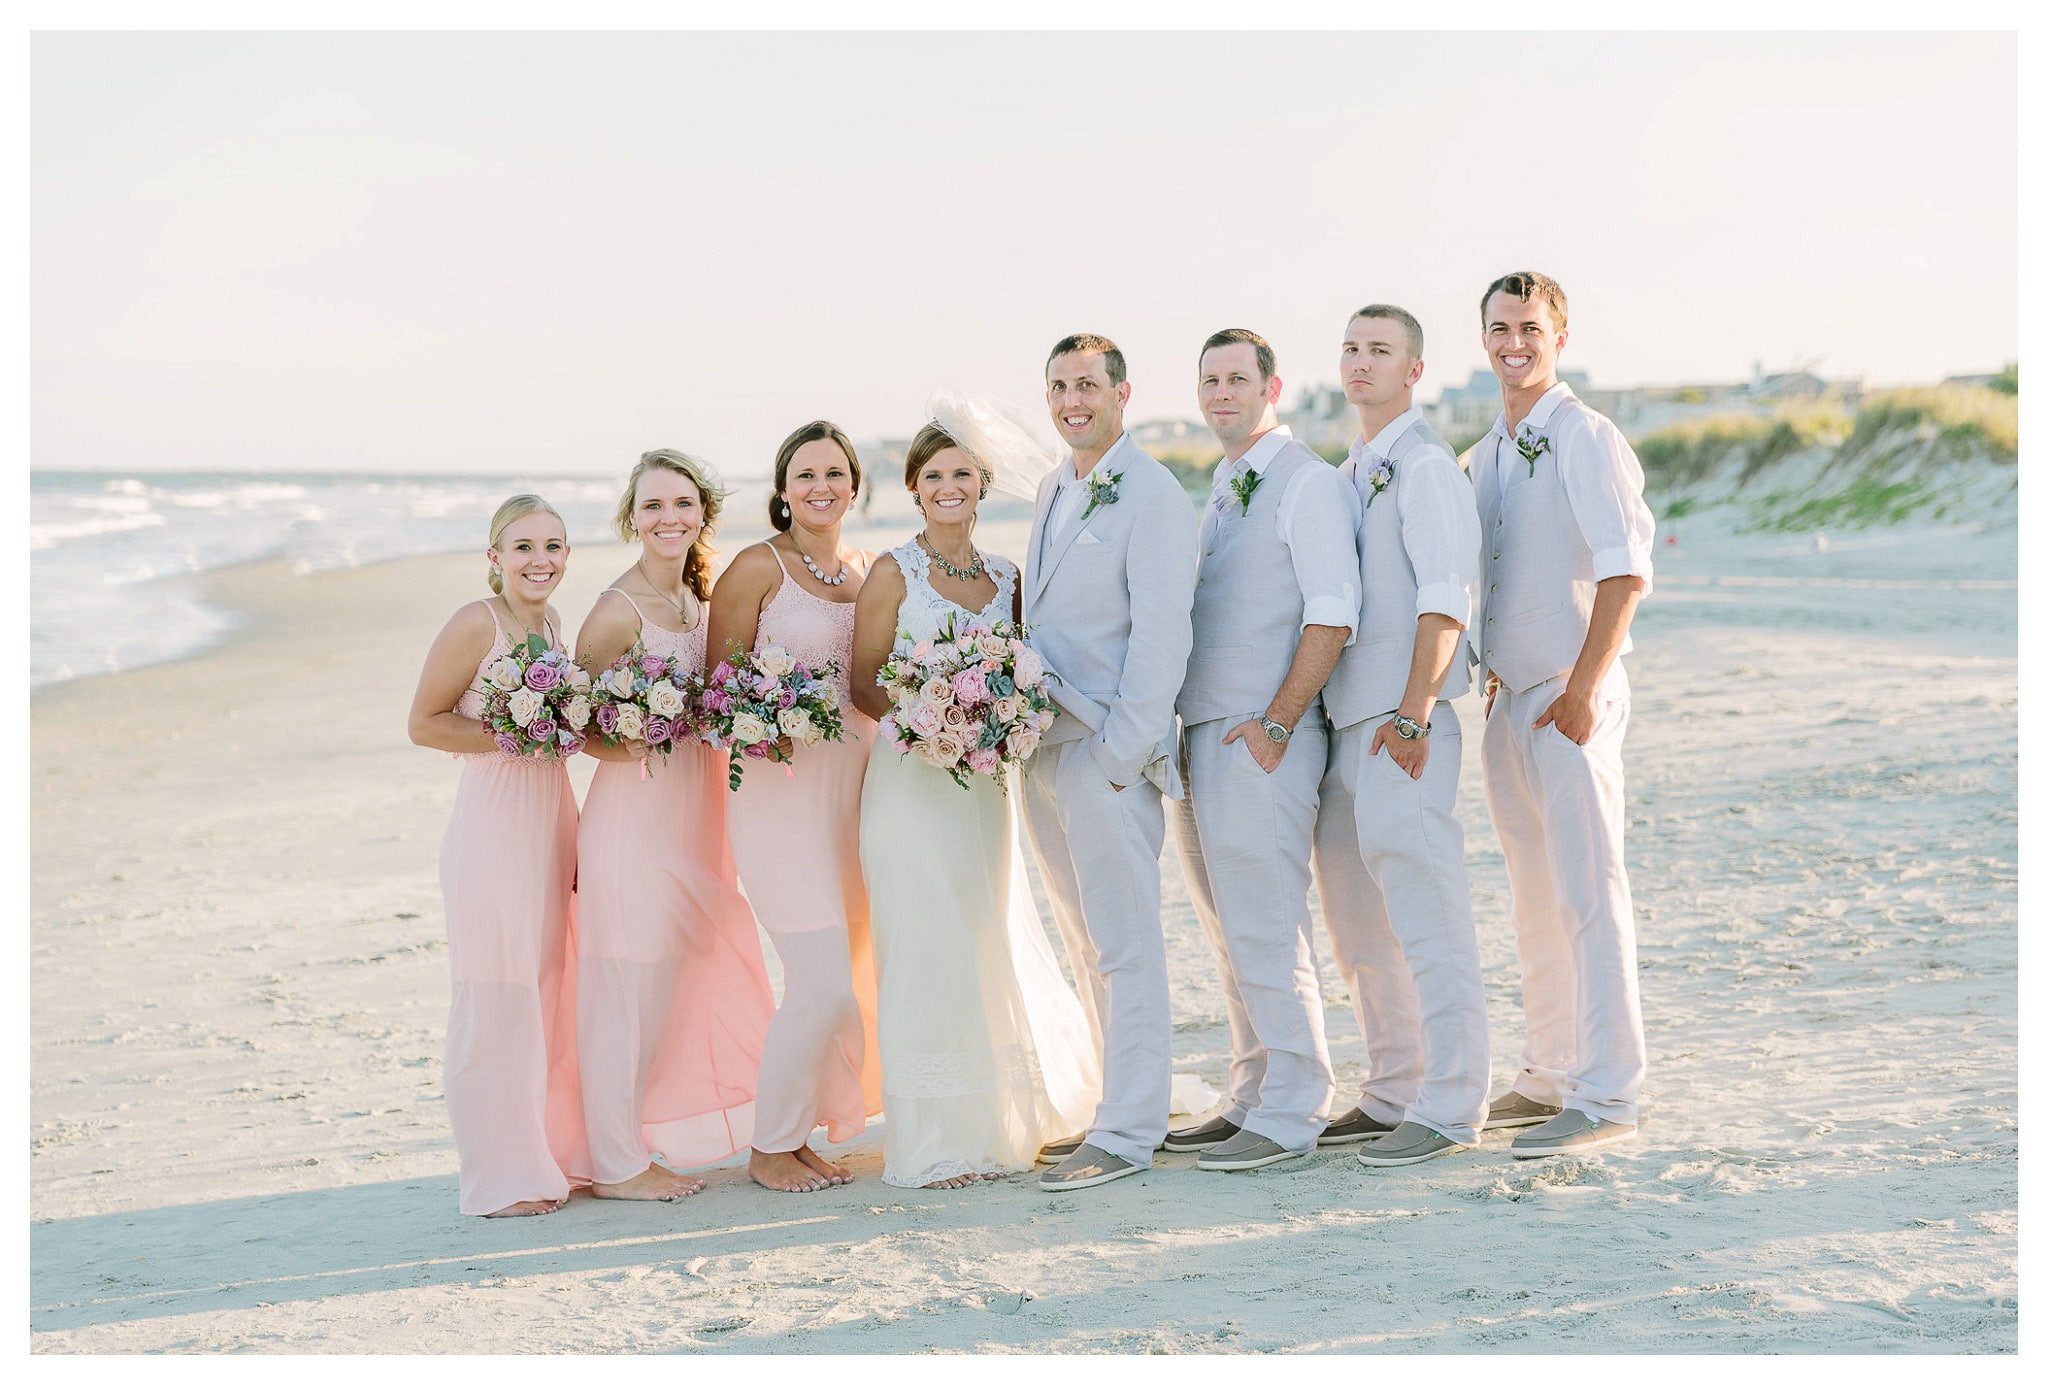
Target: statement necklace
828,581
973,570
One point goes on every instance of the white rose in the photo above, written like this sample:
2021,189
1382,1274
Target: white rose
1008,709
948,747
526,705
748,729
775,661
794,721
630,724
577,712
814,734
578,679
619,681
664,699
1030,668
505,675
937,691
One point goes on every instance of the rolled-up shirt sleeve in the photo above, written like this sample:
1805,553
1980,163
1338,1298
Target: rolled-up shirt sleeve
1440,529
1603,481
1318,521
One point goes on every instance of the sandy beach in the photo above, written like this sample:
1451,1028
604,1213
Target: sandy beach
239,985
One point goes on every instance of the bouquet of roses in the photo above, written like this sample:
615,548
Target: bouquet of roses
537,701
644,697
750,702
971,702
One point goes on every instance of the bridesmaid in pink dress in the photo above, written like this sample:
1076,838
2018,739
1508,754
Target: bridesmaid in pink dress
508,869
796,835
672,999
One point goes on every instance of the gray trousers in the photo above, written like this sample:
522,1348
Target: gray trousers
1244,839
1098,851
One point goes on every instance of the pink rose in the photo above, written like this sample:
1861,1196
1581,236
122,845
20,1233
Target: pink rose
925,720
983,760
653,666
508,743
971,687
1030,668
1022,742
757,751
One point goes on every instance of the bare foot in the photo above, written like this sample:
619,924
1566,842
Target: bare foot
652,1184
538,1208
785,1173
818,1163
965,1180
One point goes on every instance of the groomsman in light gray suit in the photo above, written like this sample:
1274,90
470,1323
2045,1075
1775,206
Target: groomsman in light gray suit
1275,603
1390,854
1111,576
1565,559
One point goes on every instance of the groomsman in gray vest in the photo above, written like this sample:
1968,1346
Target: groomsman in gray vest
1275,601
1390,855
1112,573
1565,558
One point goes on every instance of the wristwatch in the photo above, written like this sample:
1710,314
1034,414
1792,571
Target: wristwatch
1409,729
1275,732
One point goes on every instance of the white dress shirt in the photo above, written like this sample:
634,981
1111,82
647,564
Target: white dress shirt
1439,526
1602,480
1317,519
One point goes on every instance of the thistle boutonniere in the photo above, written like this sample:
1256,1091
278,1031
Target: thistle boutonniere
1242,487
1379,478
1102,492
1532,446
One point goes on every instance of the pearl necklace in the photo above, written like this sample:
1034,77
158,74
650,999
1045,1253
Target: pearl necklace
828,581
973,569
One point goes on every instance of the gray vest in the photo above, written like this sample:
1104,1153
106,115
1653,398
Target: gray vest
1248,603
1536,572
1372,673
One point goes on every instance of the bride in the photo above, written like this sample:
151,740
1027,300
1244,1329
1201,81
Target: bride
985,1051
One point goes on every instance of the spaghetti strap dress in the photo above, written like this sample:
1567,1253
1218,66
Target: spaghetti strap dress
672,996
508,877
796,837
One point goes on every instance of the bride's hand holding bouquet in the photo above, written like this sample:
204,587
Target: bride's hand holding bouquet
970,702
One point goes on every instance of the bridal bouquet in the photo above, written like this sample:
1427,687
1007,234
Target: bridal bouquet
643,697
969,702
537,701
751,702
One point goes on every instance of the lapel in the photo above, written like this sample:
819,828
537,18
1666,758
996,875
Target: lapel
1061,544
1047,489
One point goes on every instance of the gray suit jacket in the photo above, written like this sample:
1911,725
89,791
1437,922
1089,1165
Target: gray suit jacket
1109,601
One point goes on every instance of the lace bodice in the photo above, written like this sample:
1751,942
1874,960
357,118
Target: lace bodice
809,627
924,613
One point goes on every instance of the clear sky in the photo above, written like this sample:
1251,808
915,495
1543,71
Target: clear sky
501,252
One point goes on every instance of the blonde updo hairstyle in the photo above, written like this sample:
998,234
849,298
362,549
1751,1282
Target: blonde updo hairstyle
710,496
517,508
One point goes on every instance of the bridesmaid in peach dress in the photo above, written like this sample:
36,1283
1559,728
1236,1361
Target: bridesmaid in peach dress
796,834
508,869
672,998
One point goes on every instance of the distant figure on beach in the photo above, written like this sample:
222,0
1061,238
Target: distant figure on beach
1565,557
1110,581
672,998
986,1053
1390,852
796,834
508,869
1276,599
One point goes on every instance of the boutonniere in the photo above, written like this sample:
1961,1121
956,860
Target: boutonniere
1531,446
1102,491
1242,487
1379,478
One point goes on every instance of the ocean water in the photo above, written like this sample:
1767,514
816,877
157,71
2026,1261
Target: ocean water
115,561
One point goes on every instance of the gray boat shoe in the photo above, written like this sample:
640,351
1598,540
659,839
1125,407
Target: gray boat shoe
1351,1127
1197,1138
1569,1132
1515,1109
1244,1150
1052,1151
1084,1168
1410,1143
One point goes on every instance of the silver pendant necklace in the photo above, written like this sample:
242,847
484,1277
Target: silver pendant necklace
973,570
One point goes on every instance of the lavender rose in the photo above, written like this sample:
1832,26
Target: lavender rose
541,729
658,731
508,744
608,718
543,677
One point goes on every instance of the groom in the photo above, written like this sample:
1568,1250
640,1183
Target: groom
1112,577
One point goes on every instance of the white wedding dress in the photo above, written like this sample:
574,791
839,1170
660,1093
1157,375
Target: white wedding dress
985,1050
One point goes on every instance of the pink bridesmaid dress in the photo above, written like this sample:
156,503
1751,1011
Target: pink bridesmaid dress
508,875
672,999
796,837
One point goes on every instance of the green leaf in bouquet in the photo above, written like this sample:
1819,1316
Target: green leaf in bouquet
536,646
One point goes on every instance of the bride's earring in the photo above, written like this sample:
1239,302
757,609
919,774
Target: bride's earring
918,501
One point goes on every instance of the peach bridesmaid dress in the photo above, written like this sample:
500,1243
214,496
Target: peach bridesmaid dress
672,998
796,837
508,872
